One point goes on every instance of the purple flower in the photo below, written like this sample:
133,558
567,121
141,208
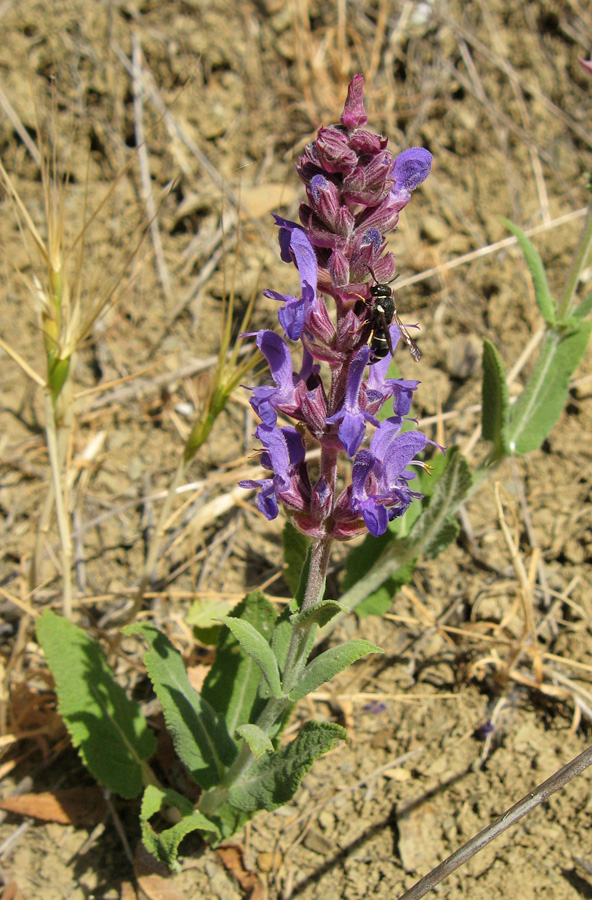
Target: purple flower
297,310
283,451
380,489
412,167
352,419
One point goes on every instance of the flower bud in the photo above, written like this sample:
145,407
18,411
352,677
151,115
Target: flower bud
354,114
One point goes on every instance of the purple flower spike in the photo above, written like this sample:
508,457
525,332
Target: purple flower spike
355,193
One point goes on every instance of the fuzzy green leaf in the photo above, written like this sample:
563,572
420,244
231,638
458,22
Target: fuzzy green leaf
232,684
361,558
496,402
204,616
259,742
282,634
545,302
296,547
379,602
273,780
584,308
253,643
164,845
329,664
229,820
106,727
199,734
302,584
544,397
318,614
432,531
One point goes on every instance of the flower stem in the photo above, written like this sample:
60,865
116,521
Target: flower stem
275,708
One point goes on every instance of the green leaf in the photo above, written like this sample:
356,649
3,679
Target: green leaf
581,311
106,727
259,742
433,531
229,820
330,663
231,686
259,650
379,602
164,845
199,734
296,547
303,583
496,402
543,399
273,780
204,616
545,302
361,558
318,614
282,634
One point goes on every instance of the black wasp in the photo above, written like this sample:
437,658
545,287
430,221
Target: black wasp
383,313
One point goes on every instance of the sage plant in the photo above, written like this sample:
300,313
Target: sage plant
228,734
355,190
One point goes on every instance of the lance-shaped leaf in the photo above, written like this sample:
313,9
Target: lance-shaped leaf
496,402
199,734
231,685
273,780
318,614
259,742
330,663
544,300
296,547
359,562
253,643
581,311
106,727
379,602
436,527
543,399
164,845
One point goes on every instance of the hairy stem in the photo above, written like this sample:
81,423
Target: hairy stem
298,652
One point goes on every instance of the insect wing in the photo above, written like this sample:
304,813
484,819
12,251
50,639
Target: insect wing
413,348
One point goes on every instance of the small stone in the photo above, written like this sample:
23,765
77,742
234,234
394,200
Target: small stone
318,843
268,861
421,842
463,356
